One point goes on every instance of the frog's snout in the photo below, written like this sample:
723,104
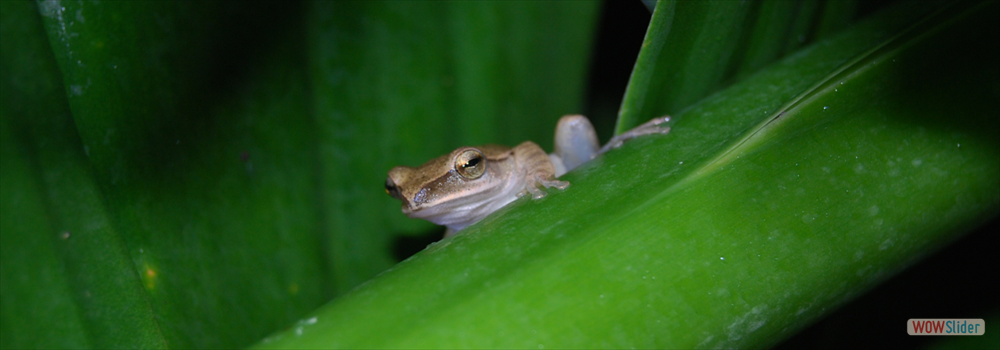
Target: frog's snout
393,182
392,189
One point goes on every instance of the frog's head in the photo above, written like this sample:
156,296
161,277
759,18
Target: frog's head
448,187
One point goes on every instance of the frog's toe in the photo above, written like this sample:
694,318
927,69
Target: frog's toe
552,183
660,120
653,126
653,122
536,193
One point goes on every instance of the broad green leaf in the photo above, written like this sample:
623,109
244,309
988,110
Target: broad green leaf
694,48
206,178
769,204
67,279
686,54
768,36
836,16
198,174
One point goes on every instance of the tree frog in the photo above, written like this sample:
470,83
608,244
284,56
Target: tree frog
460,188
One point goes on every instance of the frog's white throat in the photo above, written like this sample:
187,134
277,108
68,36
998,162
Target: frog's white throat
463,209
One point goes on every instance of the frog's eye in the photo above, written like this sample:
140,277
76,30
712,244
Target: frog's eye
471,164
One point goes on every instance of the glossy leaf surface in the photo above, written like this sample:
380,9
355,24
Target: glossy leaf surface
695,48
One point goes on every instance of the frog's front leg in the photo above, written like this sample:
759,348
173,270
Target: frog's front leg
536,170
546,180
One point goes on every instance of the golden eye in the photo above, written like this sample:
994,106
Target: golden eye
471,164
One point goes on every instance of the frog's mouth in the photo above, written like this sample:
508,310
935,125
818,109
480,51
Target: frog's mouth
416,205
406,208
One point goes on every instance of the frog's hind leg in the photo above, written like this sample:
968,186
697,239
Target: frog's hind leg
575,143
653,126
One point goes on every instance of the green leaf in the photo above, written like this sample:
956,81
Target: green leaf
686,53
190,171
67,279
769,204
198,174
694,48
